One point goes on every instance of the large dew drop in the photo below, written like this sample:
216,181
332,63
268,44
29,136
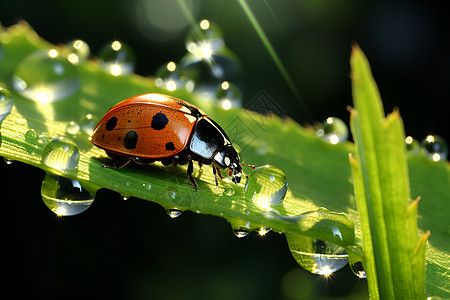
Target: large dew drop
206,74
316,256
65,197
6,103
266,186
204,39
46,76
61,154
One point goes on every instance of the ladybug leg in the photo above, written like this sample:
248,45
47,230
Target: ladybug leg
217,173
190,170
118,163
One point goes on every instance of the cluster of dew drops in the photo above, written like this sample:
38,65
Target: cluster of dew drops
208,69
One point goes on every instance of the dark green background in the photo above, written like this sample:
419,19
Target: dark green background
131,249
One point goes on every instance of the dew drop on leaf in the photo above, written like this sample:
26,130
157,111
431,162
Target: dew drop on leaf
72,128
204,39
88,123
31,136
77,51
241,232
45,76
333,131
262,231
6,103
61,154
168,77
266,186
64,196
228,96
8,161
117,59
435,148
207,74
317,256
358,269
228,191
174,213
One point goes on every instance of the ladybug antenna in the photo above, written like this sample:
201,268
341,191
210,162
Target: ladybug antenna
247,165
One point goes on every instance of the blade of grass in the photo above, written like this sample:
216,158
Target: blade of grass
382,193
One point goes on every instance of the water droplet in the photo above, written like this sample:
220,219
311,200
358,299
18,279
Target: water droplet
435,148
65,197
333,131
61,154
266,186
412,145
77,51
46,76
228,191
6,103
117,59
433,298
206,75
316,256
262,231
358,269
147,186
88,123
72,128
125,198
241,232
204,39
228,96
43,138
31,136
168,77
174,213
8,161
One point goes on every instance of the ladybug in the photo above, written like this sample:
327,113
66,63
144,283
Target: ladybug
155,127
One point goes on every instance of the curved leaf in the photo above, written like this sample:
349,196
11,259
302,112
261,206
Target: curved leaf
318,173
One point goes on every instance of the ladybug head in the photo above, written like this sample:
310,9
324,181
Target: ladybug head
228,158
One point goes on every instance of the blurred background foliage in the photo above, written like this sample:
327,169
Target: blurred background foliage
131,249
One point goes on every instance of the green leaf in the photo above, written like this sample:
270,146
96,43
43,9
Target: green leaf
319,174
394,259
261,139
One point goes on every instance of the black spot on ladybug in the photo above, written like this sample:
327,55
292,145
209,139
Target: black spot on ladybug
170,146
103,136
111,124
159,121
130,140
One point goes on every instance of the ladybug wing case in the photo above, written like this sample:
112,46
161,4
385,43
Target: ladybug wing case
144,130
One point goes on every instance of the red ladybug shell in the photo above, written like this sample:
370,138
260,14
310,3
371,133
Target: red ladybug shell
147,126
